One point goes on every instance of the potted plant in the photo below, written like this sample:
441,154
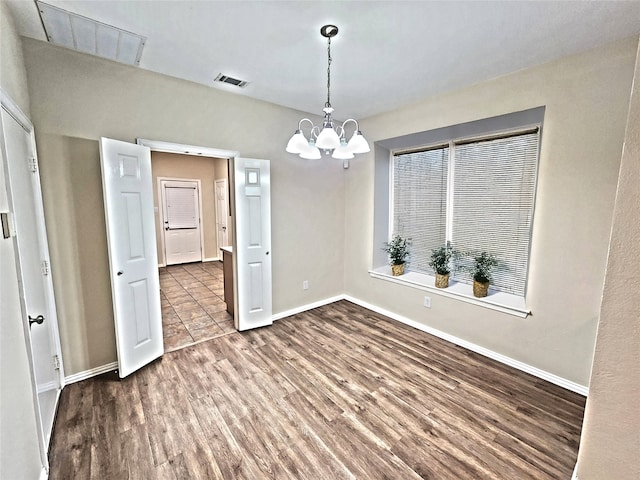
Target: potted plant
441,263
398,249
483,264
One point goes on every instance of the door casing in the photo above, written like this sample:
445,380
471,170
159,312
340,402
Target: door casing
10,107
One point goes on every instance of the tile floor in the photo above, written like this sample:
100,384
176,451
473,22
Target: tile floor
193,308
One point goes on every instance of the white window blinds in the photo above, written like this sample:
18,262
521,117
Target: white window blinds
478,195
420,202
494,189
181,207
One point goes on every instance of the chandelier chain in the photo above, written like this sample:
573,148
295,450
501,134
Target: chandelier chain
328,104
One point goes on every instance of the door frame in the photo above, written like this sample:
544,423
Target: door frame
14,110
161,212
225,181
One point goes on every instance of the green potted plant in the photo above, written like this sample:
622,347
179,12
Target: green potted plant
441,262
398,249
483,264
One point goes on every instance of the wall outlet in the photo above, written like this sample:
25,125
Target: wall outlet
305,284
427,302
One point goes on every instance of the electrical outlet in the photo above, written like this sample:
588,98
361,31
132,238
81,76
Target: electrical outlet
305,285
427,302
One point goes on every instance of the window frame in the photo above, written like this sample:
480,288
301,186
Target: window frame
478,130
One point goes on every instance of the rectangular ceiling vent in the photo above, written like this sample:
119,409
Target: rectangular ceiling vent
82,34
230,81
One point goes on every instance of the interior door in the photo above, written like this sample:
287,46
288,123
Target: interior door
181,212
252,251
36,286
222,213
135,282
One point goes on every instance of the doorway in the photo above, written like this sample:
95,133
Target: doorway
182,232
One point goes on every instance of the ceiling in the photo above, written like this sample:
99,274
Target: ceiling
386,55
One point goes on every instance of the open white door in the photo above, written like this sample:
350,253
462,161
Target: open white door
252,250
135,282
36,285
222,213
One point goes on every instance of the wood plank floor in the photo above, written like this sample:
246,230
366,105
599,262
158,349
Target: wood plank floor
338,392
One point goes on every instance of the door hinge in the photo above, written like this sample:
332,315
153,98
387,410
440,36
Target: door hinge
56,362
45,267
33,164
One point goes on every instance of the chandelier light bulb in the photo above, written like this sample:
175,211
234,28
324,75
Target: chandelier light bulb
311,152
297,143
328,138
358,144
342,152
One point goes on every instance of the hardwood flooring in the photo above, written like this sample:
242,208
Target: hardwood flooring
193,308
338,392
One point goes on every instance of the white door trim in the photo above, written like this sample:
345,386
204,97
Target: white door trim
7,103
160,216
225,184
182,149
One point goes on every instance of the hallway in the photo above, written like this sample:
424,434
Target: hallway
193,308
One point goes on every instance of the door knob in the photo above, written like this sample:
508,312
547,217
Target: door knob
119,273
39,320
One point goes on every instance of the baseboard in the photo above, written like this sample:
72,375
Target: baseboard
44,474
518,365
212,259
77,377
162,265
304,308
575,473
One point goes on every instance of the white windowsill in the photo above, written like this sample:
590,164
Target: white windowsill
500,301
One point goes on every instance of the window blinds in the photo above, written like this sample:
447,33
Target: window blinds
181,207
420,202
486,206
493,200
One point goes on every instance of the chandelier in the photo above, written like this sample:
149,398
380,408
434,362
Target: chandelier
328,138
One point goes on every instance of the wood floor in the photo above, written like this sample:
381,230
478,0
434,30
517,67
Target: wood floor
334,393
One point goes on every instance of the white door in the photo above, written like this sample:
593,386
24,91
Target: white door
135,282
36,285
252,251
222,213
181,212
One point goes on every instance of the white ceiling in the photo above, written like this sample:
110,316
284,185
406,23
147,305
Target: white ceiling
387,53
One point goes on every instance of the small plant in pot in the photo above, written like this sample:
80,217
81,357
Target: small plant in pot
398,250
441,259
483,264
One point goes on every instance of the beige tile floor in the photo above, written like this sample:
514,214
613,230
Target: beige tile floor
193,308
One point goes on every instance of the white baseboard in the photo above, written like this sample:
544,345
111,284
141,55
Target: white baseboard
575,473
309,306
76,377
518,365
162,265
44,474
212,259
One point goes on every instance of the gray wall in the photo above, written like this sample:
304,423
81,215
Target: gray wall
611,434
77,99
586,98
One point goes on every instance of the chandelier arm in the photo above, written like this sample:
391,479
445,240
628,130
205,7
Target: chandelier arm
350,120
315,131
304,120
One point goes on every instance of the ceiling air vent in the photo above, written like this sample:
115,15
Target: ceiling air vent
85,35
230,81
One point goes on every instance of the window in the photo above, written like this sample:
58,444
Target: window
477,193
